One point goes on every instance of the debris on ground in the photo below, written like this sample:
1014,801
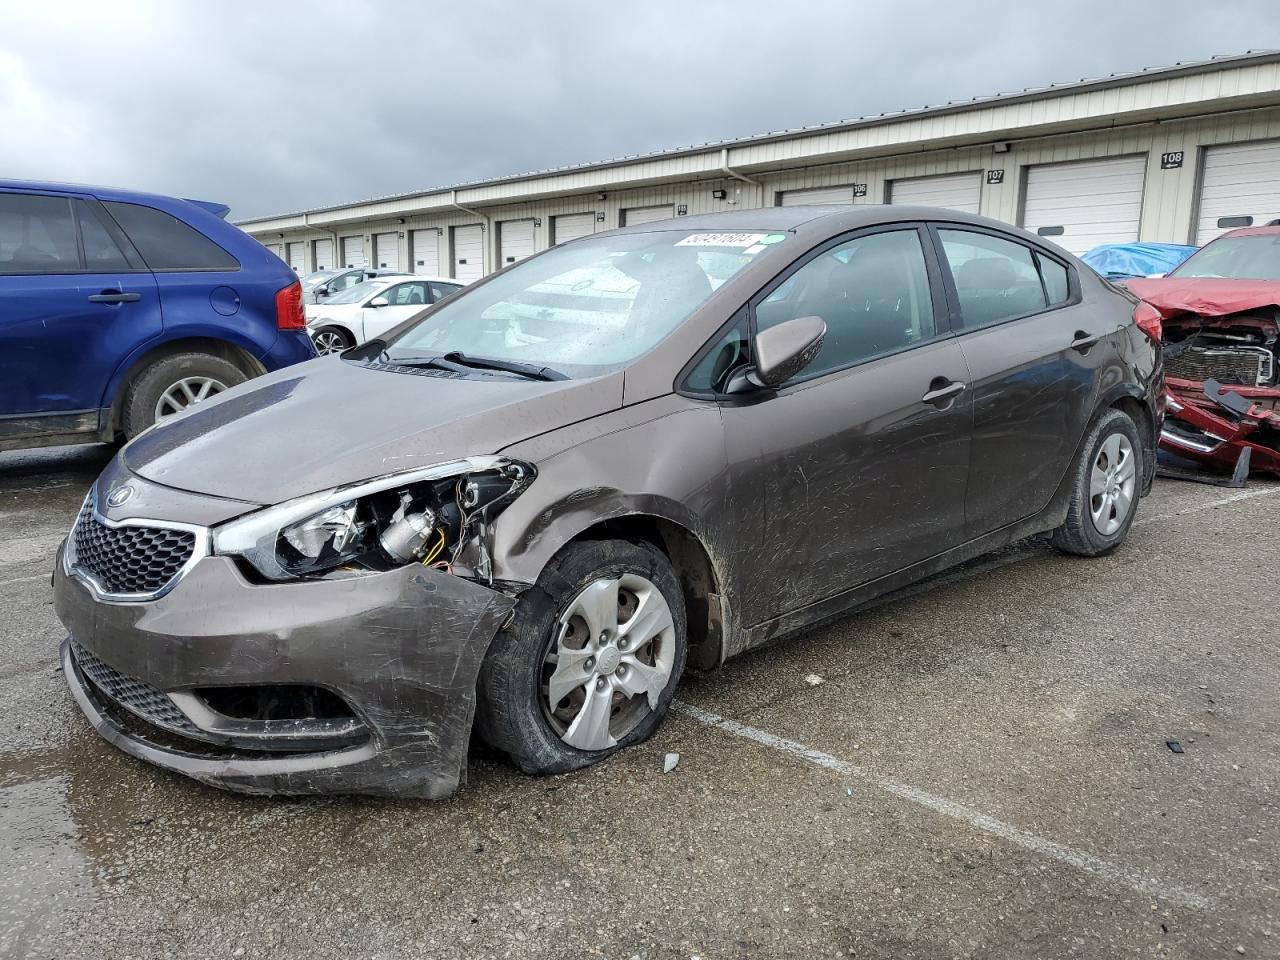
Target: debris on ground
1174,746
814,680
669,762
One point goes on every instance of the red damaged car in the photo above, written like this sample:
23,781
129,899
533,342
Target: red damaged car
1220,314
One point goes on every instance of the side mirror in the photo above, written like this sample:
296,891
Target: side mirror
781,353
379,302
321,291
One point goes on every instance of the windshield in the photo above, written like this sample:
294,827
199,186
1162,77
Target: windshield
593,303
317,278
356,293
1254,257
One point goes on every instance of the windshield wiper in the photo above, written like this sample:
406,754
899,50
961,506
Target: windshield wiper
530,370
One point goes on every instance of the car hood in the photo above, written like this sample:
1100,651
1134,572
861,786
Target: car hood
330,422
1205,296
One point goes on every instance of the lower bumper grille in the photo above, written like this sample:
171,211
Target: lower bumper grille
133,695
1250,366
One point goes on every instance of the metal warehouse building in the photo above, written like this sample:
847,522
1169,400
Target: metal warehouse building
1173,154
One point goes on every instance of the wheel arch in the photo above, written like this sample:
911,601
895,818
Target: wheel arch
132,368
1130,400
700,582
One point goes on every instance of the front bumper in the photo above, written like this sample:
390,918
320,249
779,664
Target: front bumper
401,648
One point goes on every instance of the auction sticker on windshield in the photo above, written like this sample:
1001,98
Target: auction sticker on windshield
721,240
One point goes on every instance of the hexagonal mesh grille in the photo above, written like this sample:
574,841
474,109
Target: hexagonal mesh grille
130,559
146,701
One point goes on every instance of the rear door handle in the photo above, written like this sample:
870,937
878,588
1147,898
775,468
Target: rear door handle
1084,340
942,392
115,296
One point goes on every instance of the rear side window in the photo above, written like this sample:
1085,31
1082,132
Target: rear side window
441,290
995,279
166,243
101,252
37,235
1056,284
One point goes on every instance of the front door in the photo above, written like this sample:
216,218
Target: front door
404,300
74,304
860,463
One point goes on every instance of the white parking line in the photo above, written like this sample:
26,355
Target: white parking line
38,576
1220,502
949,808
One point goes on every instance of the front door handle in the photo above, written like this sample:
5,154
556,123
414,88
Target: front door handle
942,392
115,296
1084,340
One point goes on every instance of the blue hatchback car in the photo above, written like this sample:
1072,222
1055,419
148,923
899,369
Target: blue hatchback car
120,308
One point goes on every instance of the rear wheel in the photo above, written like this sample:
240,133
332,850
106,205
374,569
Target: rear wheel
1105,488
173,384
332,340
589,663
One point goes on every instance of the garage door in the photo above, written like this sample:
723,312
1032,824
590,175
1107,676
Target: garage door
1080,205
1238,182
353,252
959,191
792,198
386,248
296,256
324,254
276,249
646,215
571,226
425,245
468,253
516,240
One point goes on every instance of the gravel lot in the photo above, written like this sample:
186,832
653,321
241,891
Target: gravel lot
976,768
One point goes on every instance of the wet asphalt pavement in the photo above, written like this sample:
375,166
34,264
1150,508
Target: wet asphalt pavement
978,768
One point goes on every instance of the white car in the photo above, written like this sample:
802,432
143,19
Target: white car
370,309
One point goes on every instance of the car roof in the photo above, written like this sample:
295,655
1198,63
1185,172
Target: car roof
106,193
816,218
1265,230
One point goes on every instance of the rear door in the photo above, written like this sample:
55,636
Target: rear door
1035,352
861,461
75,299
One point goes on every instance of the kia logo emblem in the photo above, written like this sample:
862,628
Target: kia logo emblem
120,495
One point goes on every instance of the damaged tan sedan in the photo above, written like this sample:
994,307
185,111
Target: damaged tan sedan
533,505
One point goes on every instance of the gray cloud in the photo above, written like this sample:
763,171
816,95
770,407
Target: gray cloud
276,106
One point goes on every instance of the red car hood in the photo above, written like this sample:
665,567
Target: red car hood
1205,296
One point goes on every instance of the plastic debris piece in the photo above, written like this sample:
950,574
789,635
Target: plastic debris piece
814,680
1174,746
669,763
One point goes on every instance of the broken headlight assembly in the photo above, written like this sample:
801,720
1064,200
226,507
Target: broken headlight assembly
434,515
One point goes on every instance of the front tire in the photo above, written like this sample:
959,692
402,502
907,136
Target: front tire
332,340
173,384
590,662
1105,488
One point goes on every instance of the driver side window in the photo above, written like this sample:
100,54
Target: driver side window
407,295
873,293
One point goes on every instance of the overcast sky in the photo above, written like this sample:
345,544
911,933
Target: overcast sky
275,106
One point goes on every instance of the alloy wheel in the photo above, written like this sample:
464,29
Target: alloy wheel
185,393
609,660
1112,482
329,341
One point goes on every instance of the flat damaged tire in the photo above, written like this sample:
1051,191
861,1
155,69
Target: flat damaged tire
1105,488
590,661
